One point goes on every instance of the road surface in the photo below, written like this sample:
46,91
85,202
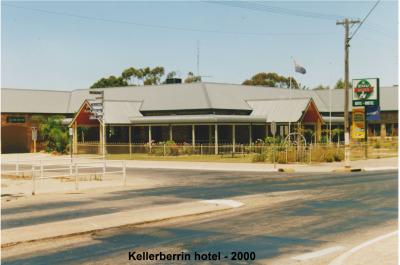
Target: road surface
333,209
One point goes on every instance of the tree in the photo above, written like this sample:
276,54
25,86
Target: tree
191,78
340,84
153,76
54,133
321,87
171,75
111,81
271,80
130,74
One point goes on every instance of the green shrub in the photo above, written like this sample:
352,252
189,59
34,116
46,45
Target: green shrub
259,157
171,148
377,145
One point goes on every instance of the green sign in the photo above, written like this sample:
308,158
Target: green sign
15,119
366,92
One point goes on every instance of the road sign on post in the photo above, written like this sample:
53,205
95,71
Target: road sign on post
366,95
273,128
358,126
97,113
366,92
34,138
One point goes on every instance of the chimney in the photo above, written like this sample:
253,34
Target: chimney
174,80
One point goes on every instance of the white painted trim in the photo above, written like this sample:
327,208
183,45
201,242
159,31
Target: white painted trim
341,259
318,253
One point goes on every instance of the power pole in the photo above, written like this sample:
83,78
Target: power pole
346,23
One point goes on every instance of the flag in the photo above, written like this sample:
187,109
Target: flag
299,69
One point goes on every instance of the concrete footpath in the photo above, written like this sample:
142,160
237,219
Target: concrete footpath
100,222
365,165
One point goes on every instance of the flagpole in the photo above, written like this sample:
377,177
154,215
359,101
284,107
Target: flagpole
290,99
330,115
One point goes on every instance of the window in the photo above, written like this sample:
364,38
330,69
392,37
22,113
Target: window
391,129
374,129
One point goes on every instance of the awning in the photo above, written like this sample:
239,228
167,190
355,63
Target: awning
198,119
333,119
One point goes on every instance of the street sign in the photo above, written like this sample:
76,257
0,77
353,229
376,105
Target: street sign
34,134
273,128
358,126
365,92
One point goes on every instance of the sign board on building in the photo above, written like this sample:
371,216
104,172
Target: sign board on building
365,92
358,126
15,119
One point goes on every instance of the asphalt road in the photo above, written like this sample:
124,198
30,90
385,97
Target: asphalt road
342,203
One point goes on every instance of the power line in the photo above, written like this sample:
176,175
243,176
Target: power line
260,7
162,26
362,22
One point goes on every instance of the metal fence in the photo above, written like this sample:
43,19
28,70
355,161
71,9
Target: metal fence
76,170
281,153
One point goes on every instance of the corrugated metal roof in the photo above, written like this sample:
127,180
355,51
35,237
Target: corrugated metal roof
178,97
35,101
118,112
279,110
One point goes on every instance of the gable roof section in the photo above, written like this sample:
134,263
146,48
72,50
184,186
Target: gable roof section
118,112
278,110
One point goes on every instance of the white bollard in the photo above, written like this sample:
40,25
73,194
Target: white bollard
124,172
33,181
104,169
41,172
76,177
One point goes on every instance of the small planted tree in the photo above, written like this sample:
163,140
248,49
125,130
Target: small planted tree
55,134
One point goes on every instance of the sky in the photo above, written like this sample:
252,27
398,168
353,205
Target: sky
70,45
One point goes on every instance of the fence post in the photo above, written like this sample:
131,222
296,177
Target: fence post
33,181
41,171
201,149
104,169
310,152
273,149
124,172
286,154
164,149
17,165
76,177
